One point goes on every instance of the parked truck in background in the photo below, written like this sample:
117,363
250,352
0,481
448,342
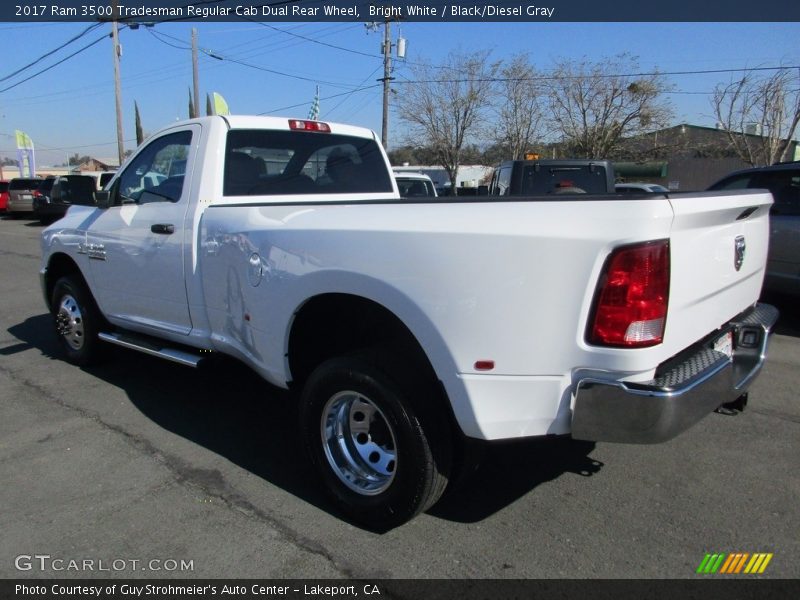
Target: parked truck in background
557,176
406,327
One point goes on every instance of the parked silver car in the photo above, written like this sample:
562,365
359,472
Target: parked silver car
20,195
783,180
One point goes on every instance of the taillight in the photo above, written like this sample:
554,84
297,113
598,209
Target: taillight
298,125
36,194
630,306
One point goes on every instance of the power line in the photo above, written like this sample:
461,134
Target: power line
342,48
158,35
51,52
86,47
268,70
218,56
274,110
323,31
596,75
308,39
347,96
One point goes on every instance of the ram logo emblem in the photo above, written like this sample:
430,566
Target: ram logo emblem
739,247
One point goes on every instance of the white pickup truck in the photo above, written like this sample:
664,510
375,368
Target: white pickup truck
410,326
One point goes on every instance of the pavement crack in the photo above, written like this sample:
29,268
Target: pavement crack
20,254
210,482
778,414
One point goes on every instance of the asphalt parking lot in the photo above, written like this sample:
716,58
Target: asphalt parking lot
168,472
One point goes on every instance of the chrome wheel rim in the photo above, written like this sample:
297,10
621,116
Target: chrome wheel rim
359,443
69,322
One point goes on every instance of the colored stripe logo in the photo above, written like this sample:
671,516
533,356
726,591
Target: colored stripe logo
735,563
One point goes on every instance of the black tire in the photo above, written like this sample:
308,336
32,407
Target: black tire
391,460
76,320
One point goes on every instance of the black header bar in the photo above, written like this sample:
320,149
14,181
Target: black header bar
540,11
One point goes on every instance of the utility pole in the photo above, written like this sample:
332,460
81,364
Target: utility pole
117,85
387,78
195,75
386,50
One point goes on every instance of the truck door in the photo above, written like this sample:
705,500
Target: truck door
139,245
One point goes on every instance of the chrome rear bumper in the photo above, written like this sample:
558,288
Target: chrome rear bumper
683,392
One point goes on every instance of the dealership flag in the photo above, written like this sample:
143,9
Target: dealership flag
25,155
220,106
314,112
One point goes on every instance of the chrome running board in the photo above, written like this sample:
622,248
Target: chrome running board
153,347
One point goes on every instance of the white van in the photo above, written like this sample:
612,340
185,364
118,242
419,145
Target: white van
101,178
414,185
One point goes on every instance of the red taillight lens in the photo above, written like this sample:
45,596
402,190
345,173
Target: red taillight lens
37,194
298,125
631,299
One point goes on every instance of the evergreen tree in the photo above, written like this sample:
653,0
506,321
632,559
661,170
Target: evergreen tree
139,131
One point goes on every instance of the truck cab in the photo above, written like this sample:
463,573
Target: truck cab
543,177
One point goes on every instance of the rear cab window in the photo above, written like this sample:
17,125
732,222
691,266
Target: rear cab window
415,188
783,184
269,162
78,189
24,184
785,188
738,182
550,180
47,185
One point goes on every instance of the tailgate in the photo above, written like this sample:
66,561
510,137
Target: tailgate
718,247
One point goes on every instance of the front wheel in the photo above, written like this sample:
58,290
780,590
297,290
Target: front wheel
76,320
379,445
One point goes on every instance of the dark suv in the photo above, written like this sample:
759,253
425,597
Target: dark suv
783,180
56,194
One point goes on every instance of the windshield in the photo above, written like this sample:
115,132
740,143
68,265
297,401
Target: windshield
415,188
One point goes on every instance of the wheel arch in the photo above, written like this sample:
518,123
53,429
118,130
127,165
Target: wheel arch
333,324
60,265
338,324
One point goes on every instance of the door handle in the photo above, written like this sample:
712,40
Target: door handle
165,228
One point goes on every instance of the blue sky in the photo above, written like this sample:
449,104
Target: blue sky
71,107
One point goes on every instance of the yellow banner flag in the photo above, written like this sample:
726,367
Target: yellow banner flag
220,106
24,141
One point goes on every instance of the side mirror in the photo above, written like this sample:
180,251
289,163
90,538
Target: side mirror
102,198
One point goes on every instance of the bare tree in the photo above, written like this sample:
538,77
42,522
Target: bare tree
519,113
759,114
444,105
595,104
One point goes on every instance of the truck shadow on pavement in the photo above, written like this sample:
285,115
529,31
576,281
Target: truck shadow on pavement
228,409
507,471
789,320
